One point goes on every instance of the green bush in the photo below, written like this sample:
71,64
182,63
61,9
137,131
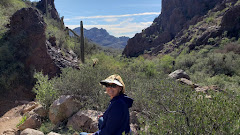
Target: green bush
44,89
188,113
24,118
11,70
46,127
167,64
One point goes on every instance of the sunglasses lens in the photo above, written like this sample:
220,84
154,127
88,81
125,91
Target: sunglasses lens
111,85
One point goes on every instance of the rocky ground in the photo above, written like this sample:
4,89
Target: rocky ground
10,118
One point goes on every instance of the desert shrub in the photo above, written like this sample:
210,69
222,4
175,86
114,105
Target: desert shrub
224,41
84,84
24,118
225,82
45,92
166,64
7,9
185,61
143,67
54,30
231,47
188,112
209,20
11,70
46,127
113,63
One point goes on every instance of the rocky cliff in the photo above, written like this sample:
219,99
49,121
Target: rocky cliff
32,52
41,5
175,16
219,25
103,38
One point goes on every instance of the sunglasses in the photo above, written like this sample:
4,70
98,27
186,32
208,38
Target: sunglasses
111,85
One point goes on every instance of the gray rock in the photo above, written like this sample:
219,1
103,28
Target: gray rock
53,133
30,131
63,108
179,74
86,120
41,111
32,122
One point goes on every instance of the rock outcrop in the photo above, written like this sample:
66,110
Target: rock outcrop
33,50
220,22
175,16
51,8
231,21
27,27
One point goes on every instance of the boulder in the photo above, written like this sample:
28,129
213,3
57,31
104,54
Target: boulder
32,122
53,133
86,120
30,131
30,106
41,111
63,108
188,82
179,74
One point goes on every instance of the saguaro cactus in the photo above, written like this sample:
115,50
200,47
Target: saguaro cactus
82,43
62,23
46,6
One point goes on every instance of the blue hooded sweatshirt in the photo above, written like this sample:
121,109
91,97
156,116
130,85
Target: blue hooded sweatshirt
116,117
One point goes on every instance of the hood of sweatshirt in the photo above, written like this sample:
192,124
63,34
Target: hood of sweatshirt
125,98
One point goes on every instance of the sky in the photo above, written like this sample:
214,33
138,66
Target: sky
118,17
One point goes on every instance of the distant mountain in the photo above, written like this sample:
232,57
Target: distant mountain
102,37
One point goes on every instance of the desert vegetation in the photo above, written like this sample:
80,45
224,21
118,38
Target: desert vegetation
165,105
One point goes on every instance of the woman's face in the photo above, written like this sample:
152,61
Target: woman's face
113,90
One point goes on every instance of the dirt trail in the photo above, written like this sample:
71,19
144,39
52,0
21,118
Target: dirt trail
10,119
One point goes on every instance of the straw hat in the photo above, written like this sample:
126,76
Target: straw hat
116,79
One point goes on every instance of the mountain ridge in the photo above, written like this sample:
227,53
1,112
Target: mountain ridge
176,15
103,38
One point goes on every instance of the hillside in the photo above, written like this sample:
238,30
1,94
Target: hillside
186,23
102,37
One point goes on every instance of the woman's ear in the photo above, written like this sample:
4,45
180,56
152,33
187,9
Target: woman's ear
121,91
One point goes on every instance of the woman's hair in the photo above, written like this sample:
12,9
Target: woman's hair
121,92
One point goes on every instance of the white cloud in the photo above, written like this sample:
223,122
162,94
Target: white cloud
112,16
111,19
124,28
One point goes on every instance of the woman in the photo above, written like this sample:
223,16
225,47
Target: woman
115,120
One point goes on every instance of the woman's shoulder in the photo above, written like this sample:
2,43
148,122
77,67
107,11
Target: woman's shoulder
123,101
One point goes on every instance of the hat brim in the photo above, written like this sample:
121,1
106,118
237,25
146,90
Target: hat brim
104,82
